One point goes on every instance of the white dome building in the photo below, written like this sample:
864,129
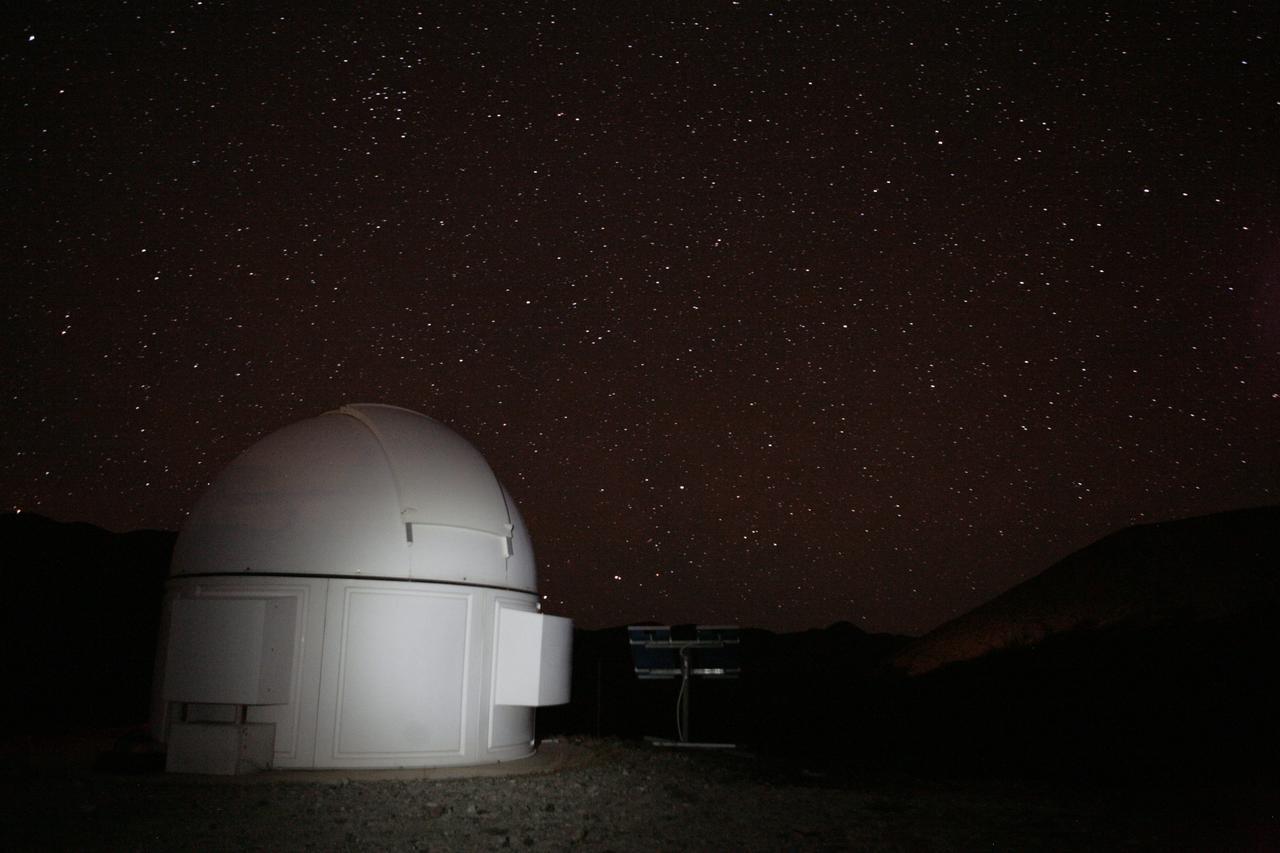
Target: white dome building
355,590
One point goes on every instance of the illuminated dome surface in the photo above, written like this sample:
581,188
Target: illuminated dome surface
362,491
355,590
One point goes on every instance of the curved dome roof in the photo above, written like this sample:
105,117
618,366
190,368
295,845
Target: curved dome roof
362,491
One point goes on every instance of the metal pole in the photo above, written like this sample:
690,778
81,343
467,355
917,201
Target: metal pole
686,688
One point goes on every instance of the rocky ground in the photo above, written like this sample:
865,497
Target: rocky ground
612,795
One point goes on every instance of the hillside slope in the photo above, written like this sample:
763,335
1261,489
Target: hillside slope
1188,571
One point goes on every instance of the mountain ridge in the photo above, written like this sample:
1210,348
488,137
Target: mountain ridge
1186,570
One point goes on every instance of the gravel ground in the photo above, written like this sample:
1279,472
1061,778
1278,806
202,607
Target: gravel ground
618,796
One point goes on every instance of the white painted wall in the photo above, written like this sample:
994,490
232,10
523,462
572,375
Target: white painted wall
384,673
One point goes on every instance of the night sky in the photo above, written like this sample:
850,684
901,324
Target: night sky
768,313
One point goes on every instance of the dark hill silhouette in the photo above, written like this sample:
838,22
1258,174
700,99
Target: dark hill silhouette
1150,654
79,618
1196,570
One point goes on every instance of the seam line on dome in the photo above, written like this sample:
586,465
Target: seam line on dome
353,412
362,577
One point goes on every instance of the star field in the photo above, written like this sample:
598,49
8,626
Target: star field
766,313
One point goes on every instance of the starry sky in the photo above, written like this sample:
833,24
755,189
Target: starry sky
769,313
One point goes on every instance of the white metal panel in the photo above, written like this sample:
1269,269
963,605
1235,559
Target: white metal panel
534,658
511,727
235,651
457,554
397,659
295,721
278,635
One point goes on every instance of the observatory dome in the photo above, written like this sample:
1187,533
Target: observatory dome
362,491
355,590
